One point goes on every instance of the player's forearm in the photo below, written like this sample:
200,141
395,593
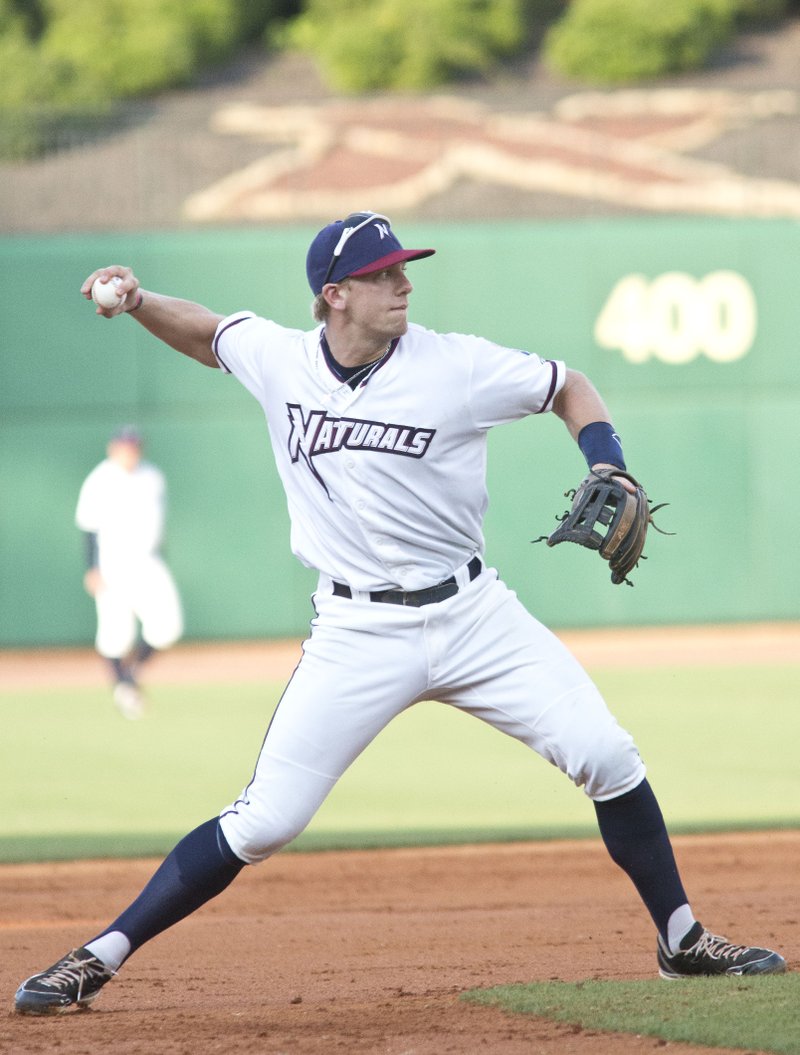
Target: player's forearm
187,327
584,413
579,403
92,579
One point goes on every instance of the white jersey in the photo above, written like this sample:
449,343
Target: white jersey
126,510
386,484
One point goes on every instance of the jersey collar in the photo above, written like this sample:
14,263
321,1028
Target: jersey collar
354,376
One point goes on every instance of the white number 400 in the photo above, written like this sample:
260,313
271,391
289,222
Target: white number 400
676,317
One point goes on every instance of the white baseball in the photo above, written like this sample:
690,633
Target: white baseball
106,294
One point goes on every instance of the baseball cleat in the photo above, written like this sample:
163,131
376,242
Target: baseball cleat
75,980
704,953
128,700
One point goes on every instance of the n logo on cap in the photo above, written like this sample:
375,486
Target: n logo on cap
355,256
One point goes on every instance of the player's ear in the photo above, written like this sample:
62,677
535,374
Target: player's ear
335,294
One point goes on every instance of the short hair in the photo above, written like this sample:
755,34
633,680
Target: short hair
320,308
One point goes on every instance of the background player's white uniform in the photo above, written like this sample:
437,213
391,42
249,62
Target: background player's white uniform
126,510
386,489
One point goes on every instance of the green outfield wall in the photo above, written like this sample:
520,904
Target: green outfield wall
689,327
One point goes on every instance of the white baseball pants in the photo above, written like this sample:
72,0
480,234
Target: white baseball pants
142,591
365,662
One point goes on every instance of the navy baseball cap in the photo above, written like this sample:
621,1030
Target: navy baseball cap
127,434
358,245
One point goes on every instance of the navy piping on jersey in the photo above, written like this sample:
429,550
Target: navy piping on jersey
552,388
243,799
344,373
215,346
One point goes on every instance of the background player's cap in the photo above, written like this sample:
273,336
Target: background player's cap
358,245
127,434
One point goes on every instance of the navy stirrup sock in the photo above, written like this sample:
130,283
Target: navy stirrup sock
118,670
201,866
633,829
143,652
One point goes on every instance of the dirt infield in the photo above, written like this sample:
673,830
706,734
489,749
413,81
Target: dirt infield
368,951
275,660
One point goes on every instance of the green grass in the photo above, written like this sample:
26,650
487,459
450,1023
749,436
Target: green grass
756,1014
77,780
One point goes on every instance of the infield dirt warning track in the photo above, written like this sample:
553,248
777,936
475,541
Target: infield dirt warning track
274,660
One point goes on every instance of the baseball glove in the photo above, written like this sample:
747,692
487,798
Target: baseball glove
606,516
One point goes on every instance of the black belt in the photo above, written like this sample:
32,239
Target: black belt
416,598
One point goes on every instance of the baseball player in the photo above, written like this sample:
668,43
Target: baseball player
121,510
379,431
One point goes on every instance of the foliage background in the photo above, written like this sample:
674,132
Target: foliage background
71,61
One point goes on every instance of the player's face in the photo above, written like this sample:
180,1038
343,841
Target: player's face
125,454
378,303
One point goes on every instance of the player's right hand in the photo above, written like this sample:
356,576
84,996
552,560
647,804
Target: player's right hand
129,285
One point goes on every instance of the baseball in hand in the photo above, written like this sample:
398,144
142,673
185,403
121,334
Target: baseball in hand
107,294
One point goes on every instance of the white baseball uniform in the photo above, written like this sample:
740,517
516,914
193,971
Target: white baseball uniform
386,490
126,510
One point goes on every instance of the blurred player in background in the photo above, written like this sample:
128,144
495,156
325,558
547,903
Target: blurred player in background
121,510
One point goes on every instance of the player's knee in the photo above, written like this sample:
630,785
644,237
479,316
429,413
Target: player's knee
114,645
163,633
612,768
586,742
163,640
255,838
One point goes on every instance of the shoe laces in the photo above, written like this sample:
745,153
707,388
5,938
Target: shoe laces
716,947
72,971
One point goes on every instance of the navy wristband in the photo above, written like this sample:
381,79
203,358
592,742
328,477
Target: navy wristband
599,443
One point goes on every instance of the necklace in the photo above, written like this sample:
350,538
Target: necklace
362,373
353,375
